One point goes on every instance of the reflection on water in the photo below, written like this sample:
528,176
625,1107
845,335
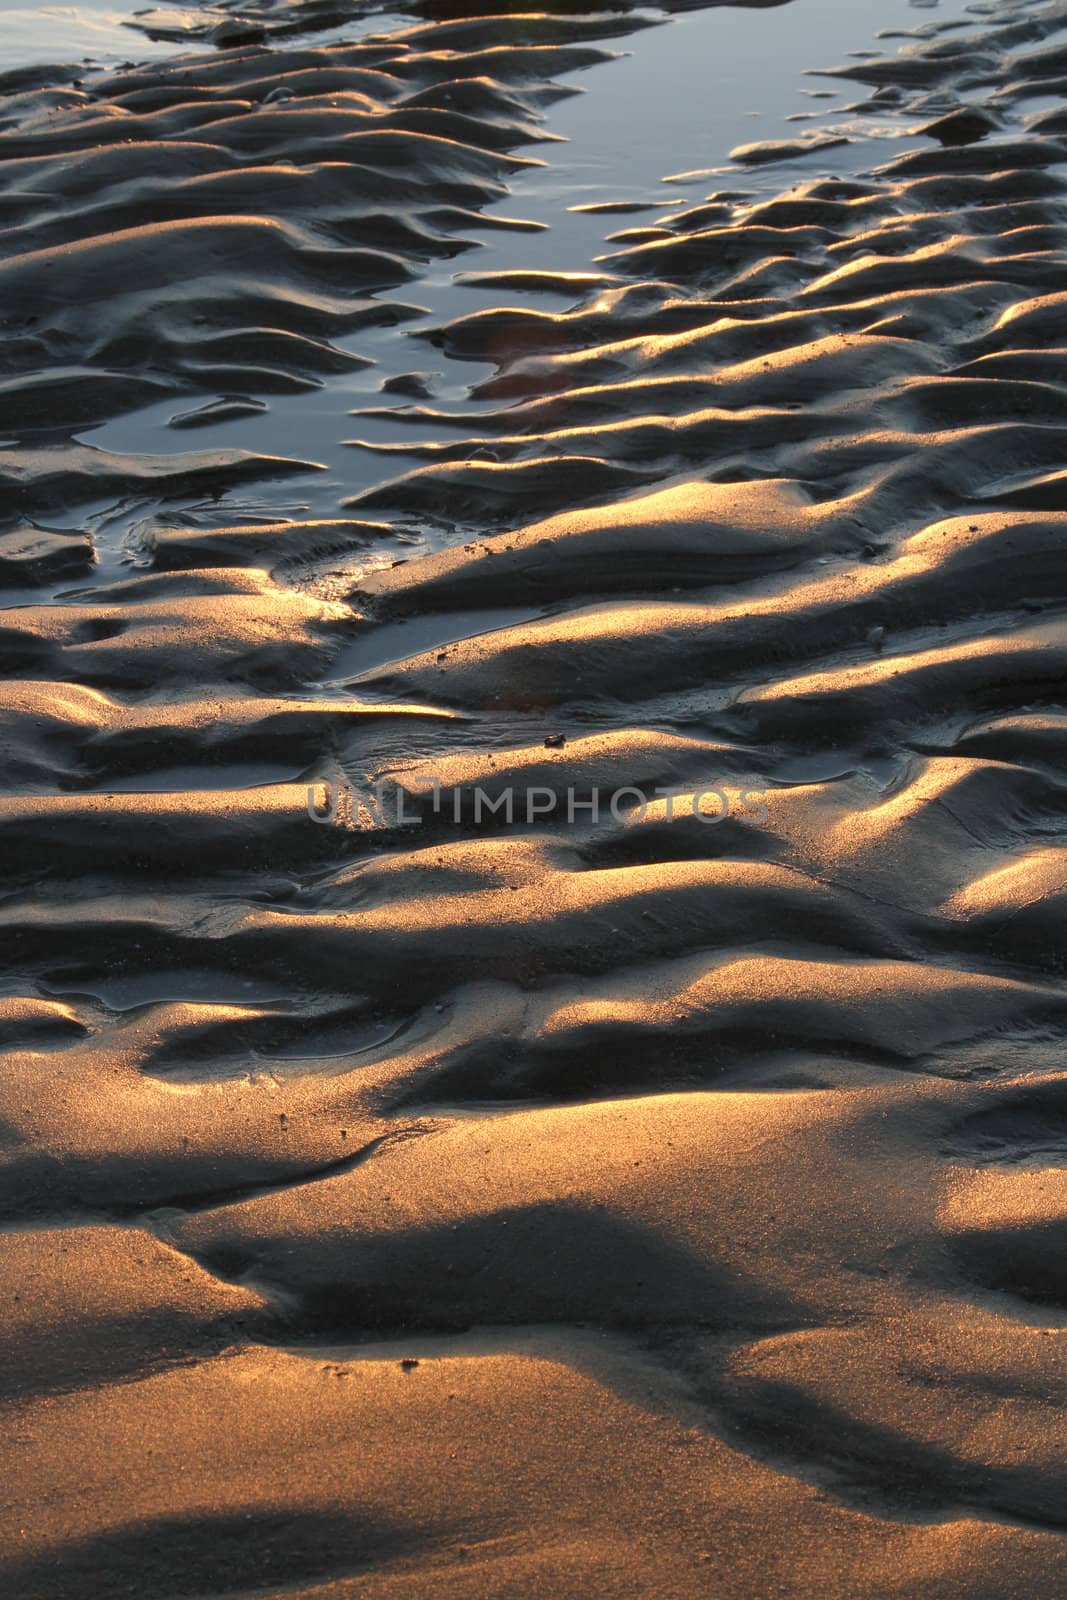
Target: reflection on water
681,97
97,32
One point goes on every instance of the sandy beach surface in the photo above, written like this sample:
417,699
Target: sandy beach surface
534,762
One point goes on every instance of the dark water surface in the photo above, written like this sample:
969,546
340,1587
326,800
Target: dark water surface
681,95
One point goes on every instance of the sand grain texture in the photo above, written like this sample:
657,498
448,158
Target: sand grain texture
665,1198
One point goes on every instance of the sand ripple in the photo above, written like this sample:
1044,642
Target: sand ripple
657,1198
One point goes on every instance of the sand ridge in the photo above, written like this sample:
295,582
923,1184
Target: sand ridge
635,1202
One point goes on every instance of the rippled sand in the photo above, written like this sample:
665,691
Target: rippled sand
665,1200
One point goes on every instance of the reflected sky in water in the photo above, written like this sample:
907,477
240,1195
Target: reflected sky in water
681,97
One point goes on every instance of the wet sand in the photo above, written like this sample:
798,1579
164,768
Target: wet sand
655,1188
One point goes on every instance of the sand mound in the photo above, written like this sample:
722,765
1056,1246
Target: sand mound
537,1069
